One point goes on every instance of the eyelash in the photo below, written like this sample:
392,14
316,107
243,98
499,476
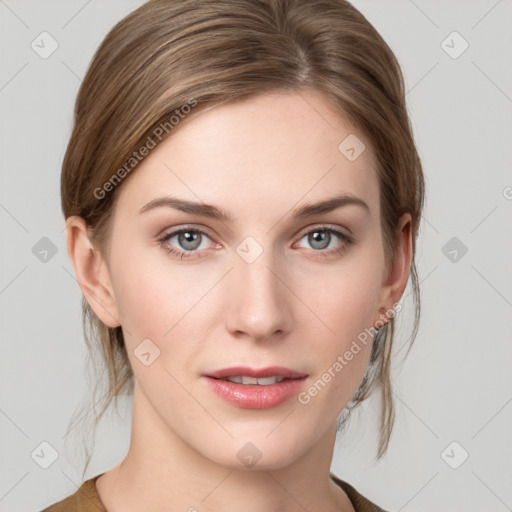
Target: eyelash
169,249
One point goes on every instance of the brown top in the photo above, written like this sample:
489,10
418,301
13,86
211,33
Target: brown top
86,499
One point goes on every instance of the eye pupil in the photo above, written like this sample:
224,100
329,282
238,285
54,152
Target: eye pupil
188,239
320,239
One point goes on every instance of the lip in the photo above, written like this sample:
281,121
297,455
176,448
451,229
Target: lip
254,396
271,371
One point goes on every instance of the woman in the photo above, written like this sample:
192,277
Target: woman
242,196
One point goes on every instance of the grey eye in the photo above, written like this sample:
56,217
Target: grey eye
189,240
319,239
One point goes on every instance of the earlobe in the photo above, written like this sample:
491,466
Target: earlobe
91,271
396,280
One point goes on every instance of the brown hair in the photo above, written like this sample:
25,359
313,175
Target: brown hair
169,53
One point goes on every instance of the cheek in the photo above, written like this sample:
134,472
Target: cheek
143,295
144,290
351,316
162,300
346,301
346,297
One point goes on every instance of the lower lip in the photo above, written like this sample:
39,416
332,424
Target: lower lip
254,396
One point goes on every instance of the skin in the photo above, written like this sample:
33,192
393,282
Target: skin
296,305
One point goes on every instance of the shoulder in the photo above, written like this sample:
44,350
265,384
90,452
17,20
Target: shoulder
360,503
85,499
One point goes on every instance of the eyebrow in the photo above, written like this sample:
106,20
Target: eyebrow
214,212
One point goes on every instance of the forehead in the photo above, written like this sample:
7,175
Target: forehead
276,149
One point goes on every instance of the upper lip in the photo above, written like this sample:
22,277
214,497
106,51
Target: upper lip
271,371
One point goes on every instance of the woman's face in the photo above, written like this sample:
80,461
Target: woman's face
263,287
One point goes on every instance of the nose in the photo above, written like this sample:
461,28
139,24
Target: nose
259,303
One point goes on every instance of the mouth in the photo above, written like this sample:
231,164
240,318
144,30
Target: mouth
251,388
244,372
246,380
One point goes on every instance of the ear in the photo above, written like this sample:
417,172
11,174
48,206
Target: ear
91,271
395,280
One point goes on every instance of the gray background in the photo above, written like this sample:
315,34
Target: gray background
455,384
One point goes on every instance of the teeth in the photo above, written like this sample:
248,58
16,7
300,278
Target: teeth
263,381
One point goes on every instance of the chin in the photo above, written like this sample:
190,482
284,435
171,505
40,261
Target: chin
258,453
